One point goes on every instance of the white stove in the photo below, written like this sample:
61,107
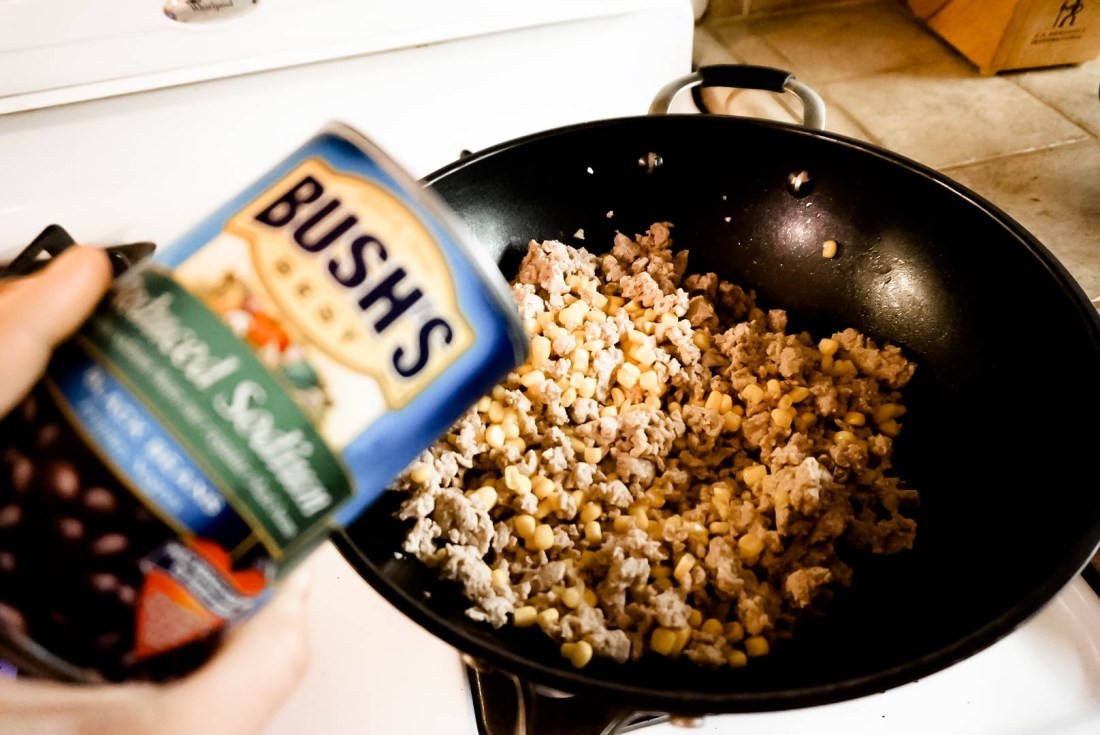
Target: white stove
170,121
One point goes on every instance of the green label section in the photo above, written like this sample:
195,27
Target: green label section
223,405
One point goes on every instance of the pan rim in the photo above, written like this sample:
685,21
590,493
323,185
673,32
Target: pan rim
696,702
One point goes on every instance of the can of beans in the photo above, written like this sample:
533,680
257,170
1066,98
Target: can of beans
229,404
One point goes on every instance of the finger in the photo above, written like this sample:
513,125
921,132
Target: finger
33,707
257,669
40,311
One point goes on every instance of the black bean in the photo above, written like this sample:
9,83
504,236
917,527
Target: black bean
47,434
71,529
62,479
29,409
22,470
110,543
10,515
12,619
103,582
127,595
7,562
100,500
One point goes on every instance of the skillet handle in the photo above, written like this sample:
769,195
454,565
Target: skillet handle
746,76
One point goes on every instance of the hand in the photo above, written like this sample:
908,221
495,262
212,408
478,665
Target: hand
261,661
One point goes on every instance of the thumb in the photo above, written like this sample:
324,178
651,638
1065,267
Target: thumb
259,666
40,311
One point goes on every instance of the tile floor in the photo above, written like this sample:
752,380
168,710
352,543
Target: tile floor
1027,141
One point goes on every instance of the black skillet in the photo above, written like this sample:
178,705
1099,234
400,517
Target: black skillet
1002,426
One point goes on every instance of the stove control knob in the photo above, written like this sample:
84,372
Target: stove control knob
203,11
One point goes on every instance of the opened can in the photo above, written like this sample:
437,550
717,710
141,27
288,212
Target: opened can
265,379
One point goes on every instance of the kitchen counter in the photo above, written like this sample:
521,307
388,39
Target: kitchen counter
1028,141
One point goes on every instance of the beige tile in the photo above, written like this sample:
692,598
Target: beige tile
768,6
726,8
1072,90
745,46
837,120
1053,193
846,42
943,116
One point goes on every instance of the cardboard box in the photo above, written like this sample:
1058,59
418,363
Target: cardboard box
998,35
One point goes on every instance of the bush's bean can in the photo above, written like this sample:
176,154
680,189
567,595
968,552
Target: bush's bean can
263,380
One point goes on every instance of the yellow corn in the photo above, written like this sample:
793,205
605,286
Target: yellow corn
627,375
750,546
540,351
580,359
662,641
572,316
524,525
515,481
421,474
828,346
756,646
542,487
828,249
572,597
641,520
890,428
499,578
855,418
542,539
736,658
579,653
548,617
593,532
622,523
590,598
714,401
734,631
494,436
783,417
683,567
753,476
648,381
719,528
752,393
593,455
486,495
799,394
731,421
533,379
524,617
712,626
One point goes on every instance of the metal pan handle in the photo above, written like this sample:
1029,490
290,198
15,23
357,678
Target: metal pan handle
746,76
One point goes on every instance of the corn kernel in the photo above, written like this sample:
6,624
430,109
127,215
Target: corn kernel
754,476
494,436
593,345
827,363
533,379
548,617
668,319
486,495
890,428
844,437
593,455
752,393
627,375
641,520
546,507
736,658
524,525
731,422
608,411
799,394
714,401
483,403
572,316
683,635
622,523
785,401
750,546
590,512
675,407
587,388
662,641
516,481
643,354
727,404
775,389
828,249
783,417
855,418
617,396
593,532
499,578
496,412
524,617
590,598
695,618
542,486
756,645
572,597
809,418
580,359
687,561
421,474
702,339
540,351
712,626
663,584
719,528
542,538
648,381
655,498
579,653
511,430
828,346
734,632
888,411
